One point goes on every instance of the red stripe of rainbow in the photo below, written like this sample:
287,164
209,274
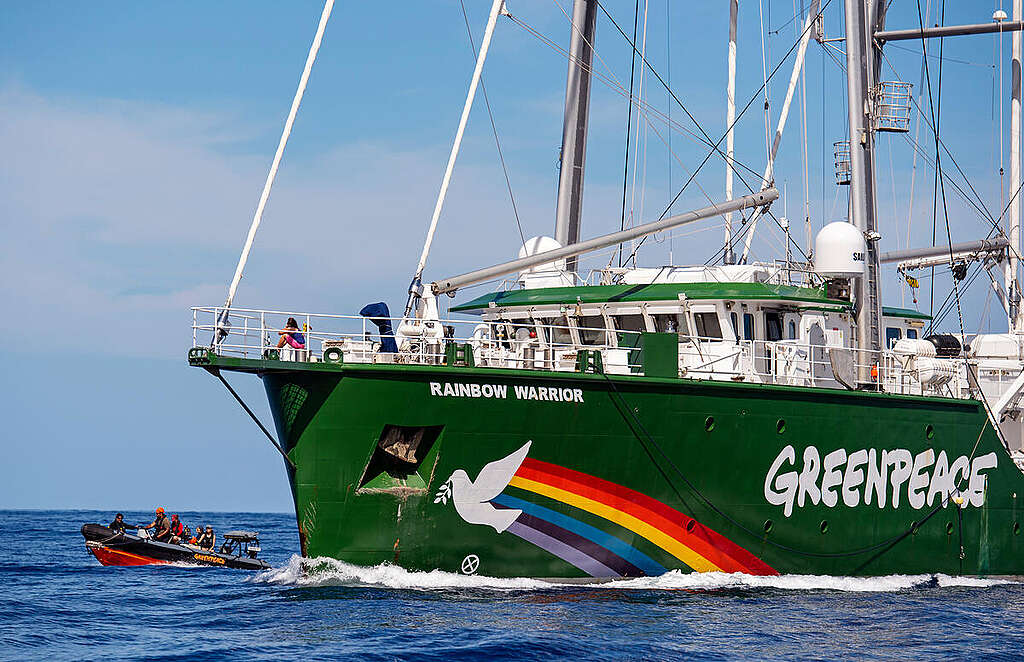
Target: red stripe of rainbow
696,545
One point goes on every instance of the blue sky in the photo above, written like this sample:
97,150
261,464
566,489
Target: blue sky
136,139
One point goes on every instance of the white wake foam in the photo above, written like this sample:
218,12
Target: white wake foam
332,572
674,580
323,571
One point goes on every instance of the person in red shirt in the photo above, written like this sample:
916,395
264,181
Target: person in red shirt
176,529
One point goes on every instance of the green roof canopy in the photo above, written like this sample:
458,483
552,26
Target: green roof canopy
548,296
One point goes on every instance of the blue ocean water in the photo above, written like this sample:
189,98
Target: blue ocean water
58,603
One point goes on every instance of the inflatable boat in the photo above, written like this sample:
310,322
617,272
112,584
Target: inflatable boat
112,547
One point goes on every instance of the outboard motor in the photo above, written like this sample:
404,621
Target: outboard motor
946,345
381,317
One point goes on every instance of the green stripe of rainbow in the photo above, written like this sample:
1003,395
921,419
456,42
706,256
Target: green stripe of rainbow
696,545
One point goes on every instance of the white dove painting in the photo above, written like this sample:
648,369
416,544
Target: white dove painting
471,498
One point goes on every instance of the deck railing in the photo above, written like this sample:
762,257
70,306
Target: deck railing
533,345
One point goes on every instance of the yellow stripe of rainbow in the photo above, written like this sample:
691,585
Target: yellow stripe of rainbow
623,519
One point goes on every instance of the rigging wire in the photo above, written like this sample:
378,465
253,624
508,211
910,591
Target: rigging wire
764,75
668,74
637,158
746,107
707,141
936,110
494,128
803,143
612,83
629,125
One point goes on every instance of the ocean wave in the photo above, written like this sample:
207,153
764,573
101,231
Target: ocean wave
323,571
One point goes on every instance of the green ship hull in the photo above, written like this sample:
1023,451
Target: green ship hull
590,476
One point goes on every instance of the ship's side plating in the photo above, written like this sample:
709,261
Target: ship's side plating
632,475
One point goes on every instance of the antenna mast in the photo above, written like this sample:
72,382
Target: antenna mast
863,19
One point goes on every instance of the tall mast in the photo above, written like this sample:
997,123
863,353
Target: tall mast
1012,265
863,19
574,127
730,119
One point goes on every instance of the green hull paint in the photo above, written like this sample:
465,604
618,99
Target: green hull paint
330,418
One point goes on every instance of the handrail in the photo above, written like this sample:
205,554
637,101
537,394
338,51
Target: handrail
536,345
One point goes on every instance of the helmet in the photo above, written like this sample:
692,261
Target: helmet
160,511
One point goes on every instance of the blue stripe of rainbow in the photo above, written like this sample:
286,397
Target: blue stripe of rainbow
593,534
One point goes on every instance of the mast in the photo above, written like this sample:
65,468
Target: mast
730,119
863,19
1012,262
574,127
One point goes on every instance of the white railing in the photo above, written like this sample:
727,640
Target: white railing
257,334
532,345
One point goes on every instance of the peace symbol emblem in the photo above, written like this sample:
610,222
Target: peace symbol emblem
470,564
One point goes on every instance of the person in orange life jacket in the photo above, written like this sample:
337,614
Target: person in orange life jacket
161,525
291,335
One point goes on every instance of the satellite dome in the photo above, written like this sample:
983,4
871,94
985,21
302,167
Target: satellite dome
535,245
839,251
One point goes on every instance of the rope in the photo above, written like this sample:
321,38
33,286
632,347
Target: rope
216,373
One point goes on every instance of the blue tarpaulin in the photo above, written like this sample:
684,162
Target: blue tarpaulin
381,316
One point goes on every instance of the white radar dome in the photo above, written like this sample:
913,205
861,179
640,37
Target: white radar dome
536,245
839,251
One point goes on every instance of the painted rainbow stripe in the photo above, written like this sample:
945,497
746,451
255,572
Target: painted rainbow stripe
602,555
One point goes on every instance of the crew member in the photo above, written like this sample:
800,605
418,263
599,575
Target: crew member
177,530
208,539
161,526
118,525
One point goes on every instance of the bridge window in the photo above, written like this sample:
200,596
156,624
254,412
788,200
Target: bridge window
912,334
630,323
591,330
557,330
707,325
671,324
748,326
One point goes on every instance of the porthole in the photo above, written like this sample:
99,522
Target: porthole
929,431
709,423
1016,528
689,525
780,426
949,528
768,526
914,528
823,526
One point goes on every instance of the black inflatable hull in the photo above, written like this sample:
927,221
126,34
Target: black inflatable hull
124,549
